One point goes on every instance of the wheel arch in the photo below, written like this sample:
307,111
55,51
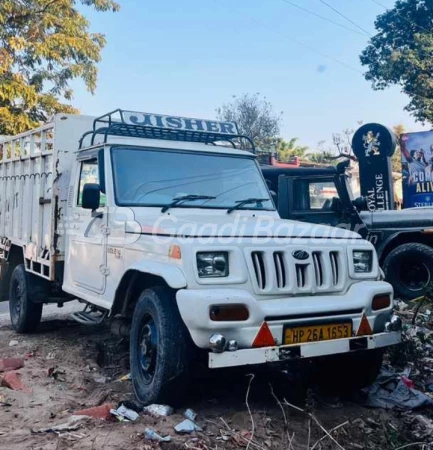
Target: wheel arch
142,276
402,237
14,256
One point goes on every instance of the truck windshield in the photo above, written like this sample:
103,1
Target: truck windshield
155,177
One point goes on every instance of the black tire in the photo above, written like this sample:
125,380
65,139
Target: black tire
409,268
349,371
161,349
25,314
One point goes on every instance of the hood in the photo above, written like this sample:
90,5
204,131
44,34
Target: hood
406,218
208,223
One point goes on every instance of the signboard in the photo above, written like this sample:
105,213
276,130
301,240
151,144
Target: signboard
373,145
417,168
179,123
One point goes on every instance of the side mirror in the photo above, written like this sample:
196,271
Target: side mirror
91,196
360,203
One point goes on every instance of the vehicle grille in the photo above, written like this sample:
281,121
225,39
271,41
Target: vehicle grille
280,271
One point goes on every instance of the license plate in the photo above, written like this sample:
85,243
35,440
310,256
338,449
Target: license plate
315,333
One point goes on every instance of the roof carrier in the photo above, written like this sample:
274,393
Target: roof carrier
156,126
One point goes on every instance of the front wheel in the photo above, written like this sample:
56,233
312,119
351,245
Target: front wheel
409,268
25,314
161,350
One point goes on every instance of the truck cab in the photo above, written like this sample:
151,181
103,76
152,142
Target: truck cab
403,239
162,224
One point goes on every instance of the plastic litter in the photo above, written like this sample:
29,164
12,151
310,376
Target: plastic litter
409,383
187,426
13,343
190,414
72,424
126,377
152,435
158,410
390,392
123,413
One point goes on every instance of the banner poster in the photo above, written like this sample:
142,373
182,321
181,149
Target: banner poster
417,169
373,145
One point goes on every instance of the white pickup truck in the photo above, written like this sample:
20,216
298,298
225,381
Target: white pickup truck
163,227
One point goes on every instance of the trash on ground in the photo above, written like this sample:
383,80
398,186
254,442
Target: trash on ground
152,435
13,343
8,364
12,381
100,380
242,438
190,414
123,413
187,426
389,391
126,377
98,412
158,410
56,373
74,423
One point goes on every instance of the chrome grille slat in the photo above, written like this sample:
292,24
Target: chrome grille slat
259,269
334,265
318,268
280,269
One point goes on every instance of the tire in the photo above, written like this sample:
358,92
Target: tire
161,349
349,371
409,268
25,314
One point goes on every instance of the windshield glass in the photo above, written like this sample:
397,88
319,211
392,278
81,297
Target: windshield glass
149,177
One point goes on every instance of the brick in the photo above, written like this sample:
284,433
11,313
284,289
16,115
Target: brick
12,381
7,364
98,412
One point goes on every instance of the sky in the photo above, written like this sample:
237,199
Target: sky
189,57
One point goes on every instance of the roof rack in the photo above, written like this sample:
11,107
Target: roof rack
155,126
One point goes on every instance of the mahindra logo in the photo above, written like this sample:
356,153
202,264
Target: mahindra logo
300,254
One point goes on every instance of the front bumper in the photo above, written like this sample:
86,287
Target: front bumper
194,306
285,353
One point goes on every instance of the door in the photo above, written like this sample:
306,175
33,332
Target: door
88,256
314,200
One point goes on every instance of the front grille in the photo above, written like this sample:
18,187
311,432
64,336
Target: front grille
280,271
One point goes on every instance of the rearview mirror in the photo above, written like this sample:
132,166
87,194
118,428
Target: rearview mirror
91,197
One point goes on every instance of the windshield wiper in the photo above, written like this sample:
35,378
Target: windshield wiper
184,198
240,203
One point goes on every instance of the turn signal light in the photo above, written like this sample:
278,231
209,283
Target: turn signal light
381,301
264,337
229,313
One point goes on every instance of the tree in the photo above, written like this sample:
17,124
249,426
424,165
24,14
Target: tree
396,157
287,149
44,44
401,54
255,117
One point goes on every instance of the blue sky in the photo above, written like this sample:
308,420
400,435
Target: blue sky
189,57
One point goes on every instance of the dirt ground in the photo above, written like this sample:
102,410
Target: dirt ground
239,411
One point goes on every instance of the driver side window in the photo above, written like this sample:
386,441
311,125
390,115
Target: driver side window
89,174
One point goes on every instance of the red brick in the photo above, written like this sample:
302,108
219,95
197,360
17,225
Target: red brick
12,381
98,412
7,364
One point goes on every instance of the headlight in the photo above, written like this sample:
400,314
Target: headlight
363,261
213,264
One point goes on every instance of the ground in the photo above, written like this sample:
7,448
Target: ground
69,367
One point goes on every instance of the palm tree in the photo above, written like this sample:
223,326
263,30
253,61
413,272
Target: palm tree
287,149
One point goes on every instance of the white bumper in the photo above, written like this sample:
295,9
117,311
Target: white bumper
194,306
286,353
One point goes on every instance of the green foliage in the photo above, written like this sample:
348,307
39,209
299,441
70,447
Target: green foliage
323,157
401,54
255,117
44,44
287,149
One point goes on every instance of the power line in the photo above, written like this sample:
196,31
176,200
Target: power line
322,17
302,44
345,17
400,15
